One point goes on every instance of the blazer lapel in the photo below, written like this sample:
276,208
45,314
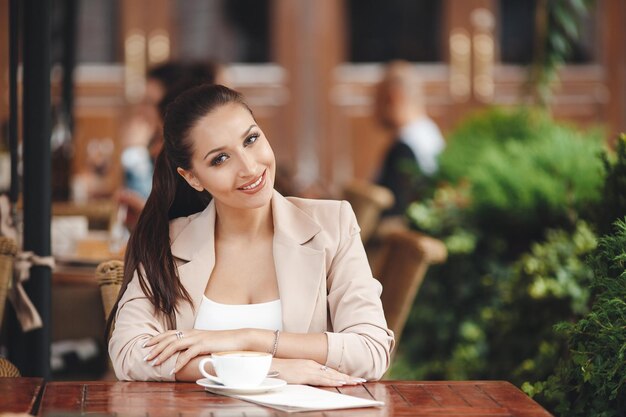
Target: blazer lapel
299,267
196,244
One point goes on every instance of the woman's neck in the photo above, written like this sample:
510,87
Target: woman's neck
234,223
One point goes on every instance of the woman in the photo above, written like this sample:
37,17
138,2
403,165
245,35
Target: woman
220,261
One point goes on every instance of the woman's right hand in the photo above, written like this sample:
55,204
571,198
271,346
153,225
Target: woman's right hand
309,372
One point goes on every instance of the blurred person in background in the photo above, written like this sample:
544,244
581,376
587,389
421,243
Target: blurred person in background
411,160
141,132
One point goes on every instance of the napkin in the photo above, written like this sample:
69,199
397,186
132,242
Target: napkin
297,398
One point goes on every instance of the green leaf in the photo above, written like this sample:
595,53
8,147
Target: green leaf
567,21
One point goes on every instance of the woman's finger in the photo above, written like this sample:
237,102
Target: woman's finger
334,377
158,349
185,357
156,339
171,348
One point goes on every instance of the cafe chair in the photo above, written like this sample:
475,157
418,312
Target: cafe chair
8,370
109,275
8,250
404,259
368,201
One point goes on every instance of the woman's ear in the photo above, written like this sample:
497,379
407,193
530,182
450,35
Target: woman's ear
190,178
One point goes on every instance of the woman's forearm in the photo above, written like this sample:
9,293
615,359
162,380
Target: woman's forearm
190,372
312,346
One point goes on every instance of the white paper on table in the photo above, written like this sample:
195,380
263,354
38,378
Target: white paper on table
296,398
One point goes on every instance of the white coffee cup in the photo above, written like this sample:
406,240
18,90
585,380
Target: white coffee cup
238,369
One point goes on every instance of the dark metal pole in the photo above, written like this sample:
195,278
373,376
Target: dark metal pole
14,39
69,58
37,206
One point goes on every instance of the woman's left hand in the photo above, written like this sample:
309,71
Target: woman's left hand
191,343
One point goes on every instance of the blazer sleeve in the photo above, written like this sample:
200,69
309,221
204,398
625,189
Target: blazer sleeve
360,343
135,323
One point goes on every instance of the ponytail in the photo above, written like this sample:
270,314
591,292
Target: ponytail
148,251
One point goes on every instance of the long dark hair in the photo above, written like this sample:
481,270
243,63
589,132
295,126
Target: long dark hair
148,251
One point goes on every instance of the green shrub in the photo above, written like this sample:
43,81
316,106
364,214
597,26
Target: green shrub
520,189
526,173
445,343
484,130
512,175
613,205
592,380
547,285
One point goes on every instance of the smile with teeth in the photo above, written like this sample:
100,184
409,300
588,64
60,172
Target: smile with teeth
254,184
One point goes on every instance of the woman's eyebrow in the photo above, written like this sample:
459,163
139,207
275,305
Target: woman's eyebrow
221,148
248,131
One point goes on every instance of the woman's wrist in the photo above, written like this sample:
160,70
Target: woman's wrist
190,371
259,340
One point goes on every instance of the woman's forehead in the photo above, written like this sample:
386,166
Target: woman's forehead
227,122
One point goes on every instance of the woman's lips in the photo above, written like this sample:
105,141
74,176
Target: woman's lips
254,186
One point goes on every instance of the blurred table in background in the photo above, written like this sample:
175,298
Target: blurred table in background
98,212
19,395
401,398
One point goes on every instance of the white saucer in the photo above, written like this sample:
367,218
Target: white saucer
268,384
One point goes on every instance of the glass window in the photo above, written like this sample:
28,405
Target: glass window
517,20
224,30
395,29
97,31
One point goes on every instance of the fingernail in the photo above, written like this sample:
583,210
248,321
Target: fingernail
172,372
153,362
359,380
146,357
144,344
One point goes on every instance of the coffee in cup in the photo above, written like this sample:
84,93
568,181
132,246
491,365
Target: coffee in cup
238,369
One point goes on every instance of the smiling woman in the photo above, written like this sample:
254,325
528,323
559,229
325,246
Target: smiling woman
220,261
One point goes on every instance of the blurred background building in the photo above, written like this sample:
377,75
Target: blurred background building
309,68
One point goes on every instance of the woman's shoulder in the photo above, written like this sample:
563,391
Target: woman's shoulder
178,224
316,207
325,212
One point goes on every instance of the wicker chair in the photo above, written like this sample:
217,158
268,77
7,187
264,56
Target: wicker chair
7,369
404,260
368,202
8,250
109,275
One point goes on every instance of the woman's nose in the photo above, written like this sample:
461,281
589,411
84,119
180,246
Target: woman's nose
248,165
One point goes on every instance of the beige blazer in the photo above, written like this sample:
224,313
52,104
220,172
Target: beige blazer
324,281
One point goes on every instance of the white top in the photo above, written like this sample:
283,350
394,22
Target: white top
217,316
425,140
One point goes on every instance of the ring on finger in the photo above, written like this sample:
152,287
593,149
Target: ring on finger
179,335
324,368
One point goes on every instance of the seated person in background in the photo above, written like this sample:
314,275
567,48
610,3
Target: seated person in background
411,160
143,127
221,261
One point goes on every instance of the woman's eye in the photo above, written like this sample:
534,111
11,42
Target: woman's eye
251,139
219,159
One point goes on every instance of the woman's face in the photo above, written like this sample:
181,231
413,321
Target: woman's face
232,158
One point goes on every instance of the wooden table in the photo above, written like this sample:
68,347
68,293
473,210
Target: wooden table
402,398
19,395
